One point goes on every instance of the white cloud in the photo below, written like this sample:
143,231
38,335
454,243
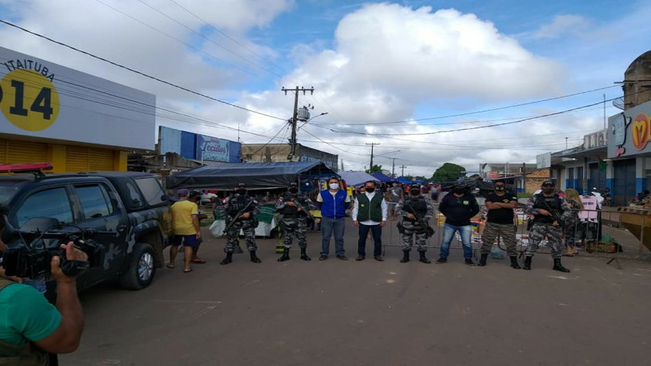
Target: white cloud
387,61
564,25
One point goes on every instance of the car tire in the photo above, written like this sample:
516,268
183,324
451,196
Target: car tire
142,268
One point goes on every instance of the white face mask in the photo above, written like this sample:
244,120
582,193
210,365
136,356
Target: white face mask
334,186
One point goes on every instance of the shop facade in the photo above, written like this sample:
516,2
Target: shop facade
76,121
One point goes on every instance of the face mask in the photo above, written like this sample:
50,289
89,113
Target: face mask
499,188
414,192
240,191
370,189
459,191
293,190
334,186
548,190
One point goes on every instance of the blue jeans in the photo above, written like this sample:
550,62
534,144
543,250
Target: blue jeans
331,226
448,233
376,231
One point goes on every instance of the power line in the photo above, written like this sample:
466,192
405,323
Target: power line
204,37
487,110
139,72
229,37
470,128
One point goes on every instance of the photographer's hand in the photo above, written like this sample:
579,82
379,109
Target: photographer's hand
72,253
67,336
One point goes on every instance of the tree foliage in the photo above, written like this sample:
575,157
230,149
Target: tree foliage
374,169
448,172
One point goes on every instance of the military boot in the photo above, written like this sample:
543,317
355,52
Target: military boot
304,255
514,262
405,256
527,263
284,257
559,267
255,259
423,258
482,260
228,259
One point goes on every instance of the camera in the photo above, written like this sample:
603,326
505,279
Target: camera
30,249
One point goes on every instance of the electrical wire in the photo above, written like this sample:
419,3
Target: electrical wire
140,72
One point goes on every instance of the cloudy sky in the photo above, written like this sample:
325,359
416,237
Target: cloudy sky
462,81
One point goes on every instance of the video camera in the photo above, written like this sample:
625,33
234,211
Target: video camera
30,249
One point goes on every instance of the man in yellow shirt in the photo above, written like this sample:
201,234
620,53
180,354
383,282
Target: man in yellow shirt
185,222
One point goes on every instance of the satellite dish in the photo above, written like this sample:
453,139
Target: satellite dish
619,103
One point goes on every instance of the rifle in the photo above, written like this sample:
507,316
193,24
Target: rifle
429,231
237,217
299,205
557,216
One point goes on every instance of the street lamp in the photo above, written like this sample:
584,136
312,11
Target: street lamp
318,115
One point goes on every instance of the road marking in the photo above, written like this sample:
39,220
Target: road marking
204,311
187,302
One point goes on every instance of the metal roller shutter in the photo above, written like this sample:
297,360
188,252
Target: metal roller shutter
15,152
83,159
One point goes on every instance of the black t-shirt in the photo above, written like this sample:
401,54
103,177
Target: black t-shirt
501,215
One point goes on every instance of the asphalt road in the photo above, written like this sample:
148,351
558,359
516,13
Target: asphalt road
372,313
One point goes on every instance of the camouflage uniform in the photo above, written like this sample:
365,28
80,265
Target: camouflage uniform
292,221
571,223
425,209
229,209
543,225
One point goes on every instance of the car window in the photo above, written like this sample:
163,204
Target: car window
95,201
134,195
48,203
151,189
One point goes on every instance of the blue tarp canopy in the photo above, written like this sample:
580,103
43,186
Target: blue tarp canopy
403,180
356,179
383,178
255,175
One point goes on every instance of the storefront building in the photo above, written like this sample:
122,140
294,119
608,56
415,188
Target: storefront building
76,121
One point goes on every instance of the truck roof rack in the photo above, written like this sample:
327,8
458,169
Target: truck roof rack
34,168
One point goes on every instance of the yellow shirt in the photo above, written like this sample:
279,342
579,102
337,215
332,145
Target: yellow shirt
182,213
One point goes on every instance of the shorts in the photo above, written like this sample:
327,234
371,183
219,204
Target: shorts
187,240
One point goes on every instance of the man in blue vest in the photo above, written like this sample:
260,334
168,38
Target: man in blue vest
333,203
369,213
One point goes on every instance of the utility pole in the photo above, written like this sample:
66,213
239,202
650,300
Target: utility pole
393,167
403,170
294,120
372,144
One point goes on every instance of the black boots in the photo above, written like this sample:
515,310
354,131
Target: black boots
304,255
482,260
514,262
405,256
255,259
527,263
423,258
228,259
559,267
284,257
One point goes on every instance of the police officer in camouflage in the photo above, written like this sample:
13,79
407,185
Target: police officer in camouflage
414,204
546,207
229,209
293,220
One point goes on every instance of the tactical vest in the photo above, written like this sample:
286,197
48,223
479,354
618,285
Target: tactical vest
369,210
292,211
554,204
238,202
416,206
21,354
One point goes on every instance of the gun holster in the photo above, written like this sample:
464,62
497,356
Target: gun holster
401,228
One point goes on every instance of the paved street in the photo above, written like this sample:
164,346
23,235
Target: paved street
372,313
